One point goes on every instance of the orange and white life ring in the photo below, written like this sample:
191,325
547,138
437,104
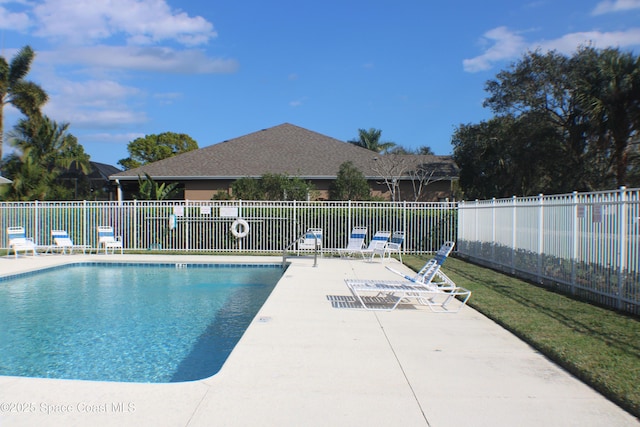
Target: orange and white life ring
235,228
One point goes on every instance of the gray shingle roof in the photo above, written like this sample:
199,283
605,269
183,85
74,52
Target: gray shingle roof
284,149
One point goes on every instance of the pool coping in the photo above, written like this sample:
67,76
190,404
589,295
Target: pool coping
304,359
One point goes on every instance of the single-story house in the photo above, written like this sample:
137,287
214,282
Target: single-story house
294,151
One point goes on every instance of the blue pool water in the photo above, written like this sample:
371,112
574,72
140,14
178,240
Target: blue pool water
128,322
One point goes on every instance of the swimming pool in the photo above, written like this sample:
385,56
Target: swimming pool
130,322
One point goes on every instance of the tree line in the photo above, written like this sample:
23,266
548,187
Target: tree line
561,124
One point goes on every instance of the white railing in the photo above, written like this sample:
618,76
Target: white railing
587,244
204,226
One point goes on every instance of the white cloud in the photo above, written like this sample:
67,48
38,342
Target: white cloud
152,58
95,92
609,6
108,118
16,21
93,103
507,45
140,22
115,138
167,98
570,42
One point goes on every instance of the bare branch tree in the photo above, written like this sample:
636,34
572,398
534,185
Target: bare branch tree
420,178
391,168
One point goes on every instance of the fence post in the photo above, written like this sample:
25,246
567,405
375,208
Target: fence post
622,243
135,223
574,249
493,229
36,222
514,218
476,220
85,236
349,216
187,223
540,234
404,225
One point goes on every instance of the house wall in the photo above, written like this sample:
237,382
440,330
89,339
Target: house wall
204,190
435,191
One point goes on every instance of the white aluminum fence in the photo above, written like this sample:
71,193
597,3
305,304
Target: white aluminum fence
586,244
203,226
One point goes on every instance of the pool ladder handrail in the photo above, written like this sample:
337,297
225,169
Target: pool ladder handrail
315,250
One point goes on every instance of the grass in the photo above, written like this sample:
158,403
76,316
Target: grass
597,345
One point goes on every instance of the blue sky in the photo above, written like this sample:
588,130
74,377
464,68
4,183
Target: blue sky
416,69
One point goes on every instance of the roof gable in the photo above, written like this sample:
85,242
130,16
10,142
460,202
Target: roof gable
283,149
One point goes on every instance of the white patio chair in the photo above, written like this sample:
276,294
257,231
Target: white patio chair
393,246
311,240
107,238
377,242
18,241
63,242
355,244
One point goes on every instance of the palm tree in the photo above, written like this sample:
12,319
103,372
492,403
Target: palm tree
50,145
425,150
45,153
26,96
610,94
370,139
148,189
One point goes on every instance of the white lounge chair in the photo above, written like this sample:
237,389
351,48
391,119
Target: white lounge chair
441,280
355,243
107,238
18,241
430,287
377,242
63,242
311,240
393,246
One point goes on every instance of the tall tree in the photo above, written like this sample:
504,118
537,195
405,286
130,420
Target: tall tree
153,147
26,96
370,139
609,92
508,156
543,87
47,159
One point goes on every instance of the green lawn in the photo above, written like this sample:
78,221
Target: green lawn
599,346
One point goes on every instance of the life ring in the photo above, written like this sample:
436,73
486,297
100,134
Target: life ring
245,228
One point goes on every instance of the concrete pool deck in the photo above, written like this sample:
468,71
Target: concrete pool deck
306,359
